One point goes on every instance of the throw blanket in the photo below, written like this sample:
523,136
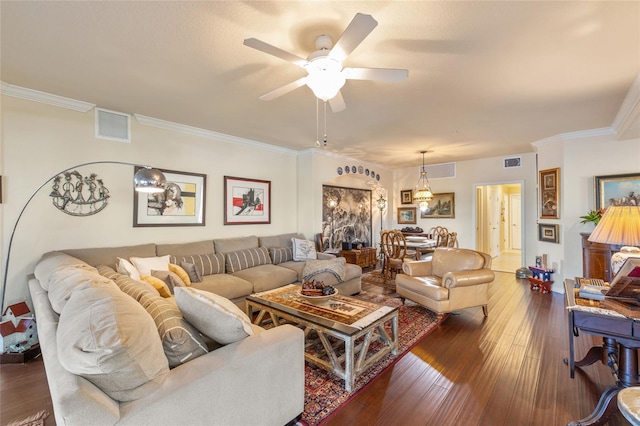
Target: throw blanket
324,270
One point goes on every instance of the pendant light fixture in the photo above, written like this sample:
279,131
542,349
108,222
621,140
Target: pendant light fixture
422,193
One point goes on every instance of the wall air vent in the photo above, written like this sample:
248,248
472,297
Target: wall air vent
440,171
512,162
115,126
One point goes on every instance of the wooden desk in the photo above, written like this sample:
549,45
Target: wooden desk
619,350
365,257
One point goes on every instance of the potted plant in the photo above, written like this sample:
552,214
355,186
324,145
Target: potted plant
593,216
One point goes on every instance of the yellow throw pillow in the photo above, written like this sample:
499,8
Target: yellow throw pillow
181,273
158,284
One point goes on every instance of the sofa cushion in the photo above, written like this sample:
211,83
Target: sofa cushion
330,271
64,281
303,249
267,277
184,249
108,338
280,254
206,264
282,240
247,258
215,316
181,342
52,261
125,267
452,259
144,265
227,245
430,287
171,279
160,286
225,285
190,268
180,272
109,255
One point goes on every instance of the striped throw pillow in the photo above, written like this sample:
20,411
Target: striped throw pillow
247,258
207,264
180,340
281,254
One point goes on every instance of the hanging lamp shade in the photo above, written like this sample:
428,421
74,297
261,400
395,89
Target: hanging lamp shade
149,180
422,193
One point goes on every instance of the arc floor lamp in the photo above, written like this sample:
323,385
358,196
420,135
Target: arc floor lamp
146,179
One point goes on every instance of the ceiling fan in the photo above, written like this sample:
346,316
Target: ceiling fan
324,66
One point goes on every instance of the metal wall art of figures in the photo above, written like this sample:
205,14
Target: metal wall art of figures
77,195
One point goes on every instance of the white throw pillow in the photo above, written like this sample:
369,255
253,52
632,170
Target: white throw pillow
144,265
303,249
125,267
214,316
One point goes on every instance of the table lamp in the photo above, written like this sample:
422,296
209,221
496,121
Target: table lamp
620,225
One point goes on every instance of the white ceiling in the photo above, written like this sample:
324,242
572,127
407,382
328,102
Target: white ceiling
485,78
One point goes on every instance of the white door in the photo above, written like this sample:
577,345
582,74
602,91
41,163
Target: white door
515,217
494,221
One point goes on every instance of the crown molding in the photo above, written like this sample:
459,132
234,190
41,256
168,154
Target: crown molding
629,112
581,134
45,98
208,134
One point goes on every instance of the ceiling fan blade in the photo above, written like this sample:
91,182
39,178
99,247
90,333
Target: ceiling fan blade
284,89
358,29
377,74
337,103
275,51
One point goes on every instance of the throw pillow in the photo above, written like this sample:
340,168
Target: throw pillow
144,265
280,254
158,284
125,267
303,249
207,264
192,271
247,258
214,316
171,279
109,339
181,342
179,271
331,271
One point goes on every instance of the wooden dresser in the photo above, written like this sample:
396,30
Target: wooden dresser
365,257
596,258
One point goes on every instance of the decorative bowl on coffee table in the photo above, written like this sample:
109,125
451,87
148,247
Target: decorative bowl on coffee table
318,300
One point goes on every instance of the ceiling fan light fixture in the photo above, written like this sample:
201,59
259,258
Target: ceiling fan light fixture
422,193
325,77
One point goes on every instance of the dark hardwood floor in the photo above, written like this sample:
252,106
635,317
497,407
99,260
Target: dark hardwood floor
506,369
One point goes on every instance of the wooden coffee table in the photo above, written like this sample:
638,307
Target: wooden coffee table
347,329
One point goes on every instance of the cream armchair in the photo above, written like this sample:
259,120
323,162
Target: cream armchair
452,279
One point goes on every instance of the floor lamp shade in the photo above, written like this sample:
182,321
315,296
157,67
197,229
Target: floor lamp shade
620,225
146,179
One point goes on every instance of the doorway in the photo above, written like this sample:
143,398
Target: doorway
499,224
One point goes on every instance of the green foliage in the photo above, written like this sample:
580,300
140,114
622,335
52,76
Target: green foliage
593,216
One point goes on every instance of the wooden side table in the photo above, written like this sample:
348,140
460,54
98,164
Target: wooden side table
364,257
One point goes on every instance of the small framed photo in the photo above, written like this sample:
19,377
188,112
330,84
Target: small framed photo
617,190
550,194
406,196
181,204
548,233
407,215
246,201
442,206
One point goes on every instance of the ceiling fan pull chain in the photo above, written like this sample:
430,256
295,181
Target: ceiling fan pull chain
317,125
325,125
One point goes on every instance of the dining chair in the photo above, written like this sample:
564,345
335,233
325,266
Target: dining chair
395,251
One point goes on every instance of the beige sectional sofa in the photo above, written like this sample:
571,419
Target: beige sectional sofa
106,365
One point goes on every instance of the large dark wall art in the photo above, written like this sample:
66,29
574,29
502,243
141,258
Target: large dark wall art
350,220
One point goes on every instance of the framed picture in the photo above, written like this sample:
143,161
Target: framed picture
349,220
617,190
406,196
181,204
407,215
246,201
550,194
548,233
442,206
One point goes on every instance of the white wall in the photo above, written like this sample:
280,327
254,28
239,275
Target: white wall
39,140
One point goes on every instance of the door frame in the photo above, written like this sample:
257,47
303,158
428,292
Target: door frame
478,204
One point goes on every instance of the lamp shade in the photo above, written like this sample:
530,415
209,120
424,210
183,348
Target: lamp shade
149,180
620,225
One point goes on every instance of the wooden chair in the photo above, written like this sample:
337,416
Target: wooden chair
394,246
452,241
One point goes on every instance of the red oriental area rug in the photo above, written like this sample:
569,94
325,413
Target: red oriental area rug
325,393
